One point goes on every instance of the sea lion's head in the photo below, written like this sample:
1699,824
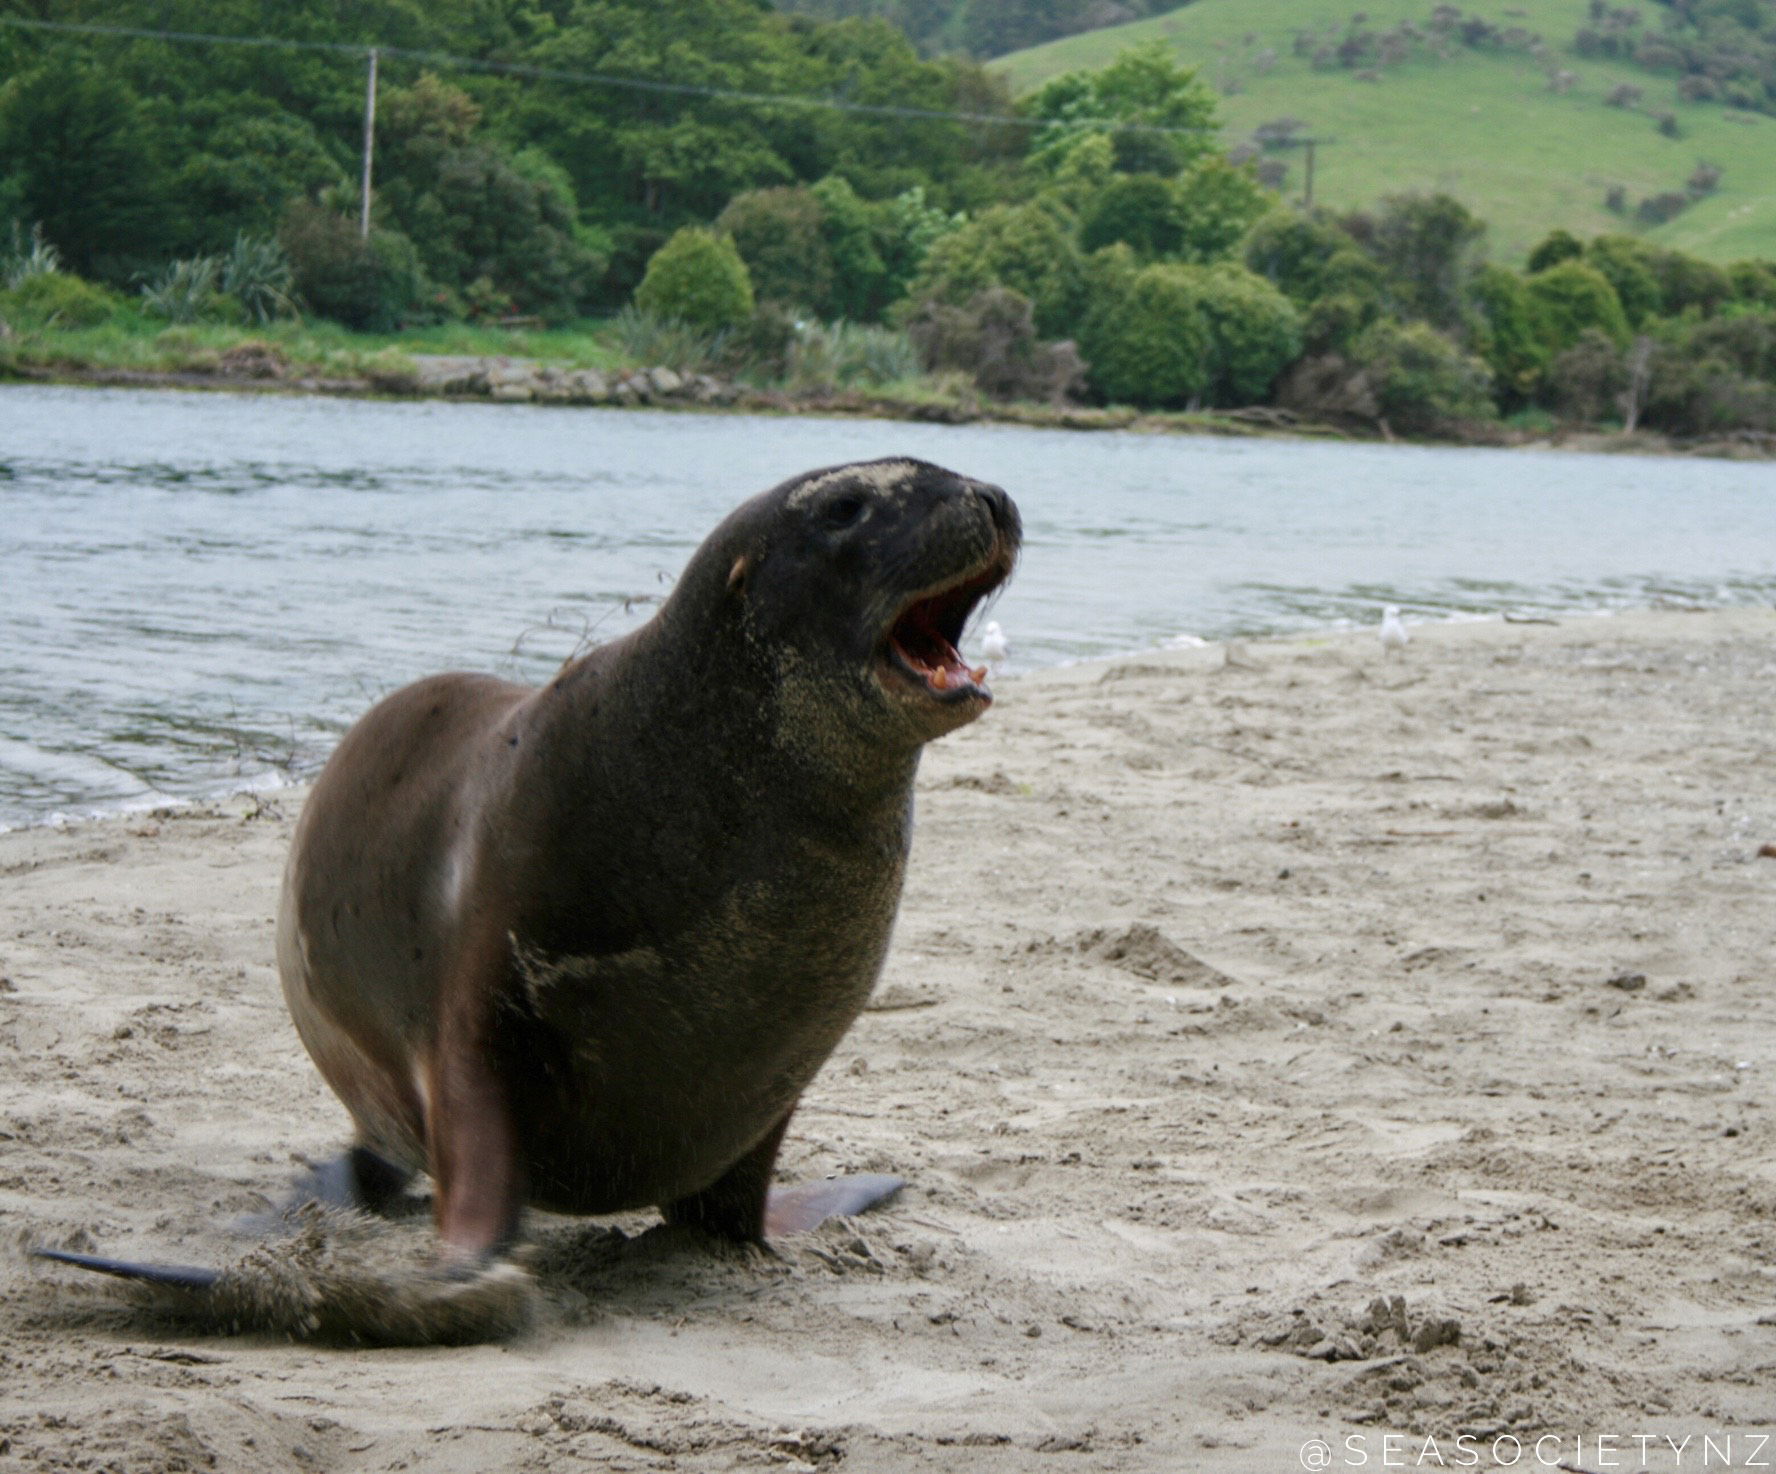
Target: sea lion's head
853,585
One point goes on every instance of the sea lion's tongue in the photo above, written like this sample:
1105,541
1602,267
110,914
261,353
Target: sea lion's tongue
925,650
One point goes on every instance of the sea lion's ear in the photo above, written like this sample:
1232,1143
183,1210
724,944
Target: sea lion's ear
737,574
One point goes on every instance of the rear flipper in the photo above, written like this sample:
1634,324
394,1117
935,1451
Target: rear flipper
809,1204
357,1179
174,1276
338,1276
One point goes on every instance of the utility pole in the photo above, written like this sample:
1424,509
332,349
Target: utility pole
1308,202
369,146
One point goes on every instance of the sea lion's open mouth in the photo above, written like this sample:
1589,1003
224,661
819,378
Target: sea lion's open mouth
921,643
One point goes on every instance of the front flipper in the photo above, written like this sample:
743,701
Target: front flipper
743,1206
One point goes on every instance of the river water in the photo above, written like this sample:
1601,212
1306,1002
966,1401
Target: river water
198,591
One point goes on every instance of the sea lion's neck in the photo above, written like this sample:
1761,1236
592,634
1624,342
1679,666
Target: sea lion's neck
721,717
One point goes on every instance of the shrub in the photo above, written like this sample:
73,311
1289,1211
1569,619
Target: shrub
1028,248
1745,340
187,291
699,278
848,354
1254,332
666,342
1695,391
758,349
778,233
992,338
371,286
1753,282
1704,179
1686,282
23,261
1588,378
1571,297
1151,344
1329,386
53,299
1422,381
1657,209
257,274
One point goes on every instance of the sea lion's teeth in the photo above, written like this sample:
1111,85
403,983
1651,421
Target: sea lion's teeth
978,675
941,679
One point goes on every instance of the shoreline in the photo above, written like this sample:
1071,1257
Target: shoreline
275,784
719,396
1281,1041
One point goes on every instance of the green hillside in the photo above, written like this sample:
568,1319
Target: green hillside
1487,126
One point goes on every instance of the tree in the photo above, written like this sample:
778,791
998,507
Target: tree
1571,297
1028,248
1217,204
1319,268
1556,246
1626,263
1254,333
244,159
1506,332
484,219
1686,283
667,157
852,227
1151,344
698,278
1307,257
1429,246
779,233
1422,381
1140,210
1157,115
83,166
1754,282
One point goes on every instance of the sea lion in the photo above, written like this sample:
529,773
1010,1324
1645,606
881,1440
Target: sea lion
583,947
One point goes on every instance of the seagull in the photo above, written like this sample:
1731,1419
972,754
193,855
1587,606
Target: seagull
1393,633
993,644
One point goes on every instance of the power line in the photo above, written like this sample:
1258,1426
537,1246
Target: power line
596,79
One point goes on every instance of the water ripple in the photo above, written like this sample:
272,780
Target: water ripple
202,591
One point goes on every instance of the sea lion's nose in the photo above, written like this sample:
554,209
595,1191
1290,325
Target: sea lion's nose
1000,507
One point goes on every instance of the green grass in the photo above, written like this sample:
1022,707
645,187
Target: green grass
1482,126
134,341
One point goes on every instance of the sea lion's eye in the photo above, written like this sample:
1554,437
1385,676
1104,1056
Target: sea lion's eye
844,510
